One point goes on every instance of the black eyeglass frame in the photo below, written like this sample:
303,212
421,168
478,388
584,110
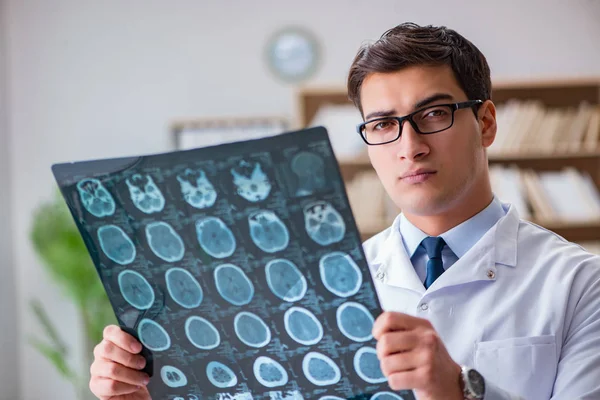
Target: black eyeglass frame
409,117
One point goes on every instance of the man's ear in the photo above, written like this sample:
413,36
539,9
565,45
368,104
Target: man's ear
486,117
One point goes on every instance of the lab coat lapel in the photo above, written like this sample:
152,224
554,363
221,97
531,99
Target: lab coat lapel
393,266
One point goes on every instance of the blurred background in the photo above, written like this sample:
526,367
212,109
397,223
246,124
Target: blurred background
83,79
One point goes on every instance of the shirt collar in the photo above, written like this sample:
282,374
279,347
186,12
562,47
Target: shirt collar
459,239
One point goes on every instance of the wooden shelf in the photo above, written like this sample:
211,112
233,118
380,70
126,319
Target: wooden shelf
572,231
552,93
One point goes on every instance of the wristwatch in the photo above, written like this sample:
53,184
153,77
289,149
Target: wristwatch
473,384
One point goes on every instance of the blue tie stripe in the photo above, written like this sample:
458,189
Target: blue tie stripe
435,266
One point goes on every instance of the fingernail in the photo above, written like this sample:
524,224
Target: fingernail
136,347
141,363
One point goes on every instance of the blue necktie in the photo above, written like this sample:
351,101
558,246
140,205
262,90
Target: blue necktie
435,266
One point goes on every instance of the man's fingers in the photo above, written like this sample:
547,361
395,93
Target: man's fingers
396,342
107,388
413,379
124,340
394,321
401,362
110,351
112,370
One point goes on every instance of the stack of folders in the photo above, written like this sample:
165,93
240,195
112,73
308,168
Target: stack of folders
526,127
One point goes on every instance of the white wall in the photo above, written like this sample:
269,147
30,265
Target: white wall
104,78
9,368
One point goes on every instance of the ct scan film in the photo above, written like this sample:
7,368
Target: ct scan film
239,267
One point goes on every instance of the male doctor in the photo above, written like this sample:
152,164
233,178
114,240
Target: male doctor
478,303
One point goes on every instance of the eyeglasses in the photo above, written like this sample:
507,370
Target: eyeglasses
428,120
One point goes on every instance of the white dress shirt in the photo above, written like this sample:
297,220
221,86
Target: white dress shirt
521,305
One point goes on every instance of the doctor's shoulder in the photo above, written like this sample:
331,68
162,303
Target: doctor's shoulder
547,250
373,246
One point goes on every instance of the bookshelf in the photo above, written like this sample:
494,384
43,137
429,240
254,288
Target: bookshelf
560,94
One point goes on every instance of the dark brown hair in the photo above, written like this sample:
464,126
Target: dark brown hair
409,44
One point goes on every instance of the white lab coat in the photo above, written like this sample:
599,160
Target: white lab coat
522,306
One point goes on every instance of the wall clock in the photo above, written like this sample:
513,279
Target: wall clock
293,54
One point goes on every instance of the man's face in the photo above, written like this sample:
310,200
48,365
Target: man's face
427,175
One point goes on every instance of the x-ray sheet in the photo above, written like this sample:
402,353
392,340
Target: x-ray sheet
239,267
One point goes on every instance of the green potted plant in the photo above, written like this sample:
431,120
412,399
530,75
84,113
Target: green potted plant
57,241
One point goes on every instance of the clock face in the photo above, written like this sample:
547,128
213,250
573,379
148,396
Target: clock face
293,54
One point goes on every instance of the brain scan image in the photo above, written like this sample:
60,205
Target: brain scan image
196,189
340,274
172,377
116,244
251,329
250,181
367,365
323,223
220,375
202,333
355,321
303,326
164,241
268,232
320,369
153,336
145,195
136,290
233,284
215,238
183,288
95,198
386,396
309,168
269,372
285,280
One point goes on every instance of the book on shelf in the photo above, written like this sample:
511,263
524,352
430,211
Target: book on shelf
527,126
566,196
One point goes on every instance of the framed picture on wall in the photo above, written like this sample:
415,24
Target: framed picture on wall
194,133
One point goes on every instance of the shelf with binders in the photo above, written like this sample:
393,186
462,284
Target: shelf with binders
548,143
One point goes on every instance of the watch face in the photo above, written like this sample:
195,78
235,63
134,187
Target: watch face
292,54
476,382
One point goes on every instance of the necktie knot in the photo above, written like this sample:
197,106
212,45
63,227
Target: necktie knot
433,246
435,267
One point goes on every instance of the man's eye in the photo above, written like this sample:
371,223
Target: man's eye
438,112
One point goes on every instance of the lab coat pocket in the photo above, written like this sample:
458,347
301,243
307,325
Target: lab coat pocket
525,366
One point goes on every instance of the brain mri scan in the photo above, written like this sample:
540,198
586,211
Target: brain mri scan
136,290
252,330
215,238
196,189
145,195
183,288
367,365
95,198
269,372
202,333
233,285
340,274
303,326
116,245
153,336
355,321
309,168
320,369
323,223
237,266
268,232
285,280
164,241
250,181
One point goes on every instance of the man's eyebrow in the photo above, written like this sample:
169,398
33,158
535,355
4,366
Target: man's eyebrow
421,103
430,99
379,114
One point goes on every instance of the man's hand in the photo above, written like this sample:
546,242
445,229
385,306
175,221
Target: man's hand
115,372
412,356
